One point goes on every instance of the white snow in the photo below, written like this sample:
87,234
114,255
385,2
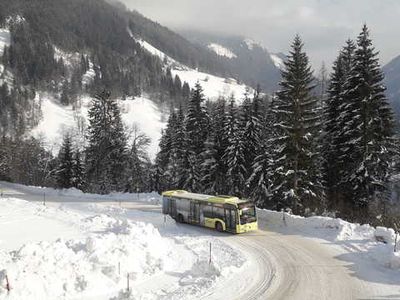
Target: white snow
58,120
221,50
5,39
73,249
371,244
250,43
213,86
278,62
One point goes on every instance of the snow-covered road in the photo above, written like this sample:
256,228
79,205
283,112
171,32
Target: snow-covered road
280,263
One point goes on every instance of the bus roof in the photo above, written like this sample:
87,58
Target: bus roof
206,198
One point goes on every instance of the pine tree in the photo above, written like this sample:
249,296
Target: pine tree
106,154
65,170
251,124
295,175
259,181
367,135
213,168
164,155
234,156
196,127
335,111
78,171
177,151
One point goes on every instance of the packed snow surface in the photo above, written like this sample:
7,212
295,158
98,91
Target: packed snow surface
372,244
221,51
58,119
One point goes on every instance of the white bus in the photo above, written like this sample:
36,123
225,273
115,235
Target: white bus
223,213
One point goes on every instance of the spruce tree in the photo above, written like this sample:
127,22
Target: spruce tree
234,155
213,168
196,127
251,125
164,155
65,170
177,151
106,153
367,135
295,175
335,111
78,171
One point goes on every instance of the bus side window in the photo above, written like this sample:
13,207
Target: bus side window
218,212
207,211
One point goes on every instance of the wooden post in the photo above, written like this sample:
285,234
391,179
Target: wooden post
395,242
127,282
7,284
210,253
119,268
44,199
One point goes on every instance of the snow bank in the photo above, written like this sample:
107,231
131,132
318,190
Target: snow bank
81,250
96,265
374,243
153,198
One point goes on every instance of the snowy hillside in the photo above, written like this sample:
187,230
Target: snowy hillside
277,61
58,120
213,86
4,39
221,50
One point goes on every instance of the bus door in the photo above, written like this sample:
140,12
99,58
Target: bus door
194,212
230,219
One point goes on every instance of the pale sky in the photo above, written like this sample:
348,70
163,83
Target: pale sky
323,24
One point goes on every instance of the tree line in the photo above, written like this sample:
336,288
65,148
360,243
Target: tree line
298,150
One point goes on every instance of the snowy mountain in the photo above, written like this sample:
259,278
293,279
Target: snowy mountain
392,80
73,53
221,50
248,60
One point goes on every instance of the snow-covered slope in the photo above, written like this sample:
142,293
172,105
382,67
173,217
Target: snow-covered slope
213,86
5,38
221,50
58,120
277,61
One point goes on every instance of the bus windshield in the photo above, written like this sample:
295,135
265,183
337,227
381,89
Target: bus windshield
248,213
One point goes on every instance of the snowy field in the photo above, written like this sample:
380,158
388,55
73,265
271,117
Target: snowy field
83,246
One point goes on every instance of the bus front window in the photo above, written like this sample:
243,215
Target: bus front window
248,215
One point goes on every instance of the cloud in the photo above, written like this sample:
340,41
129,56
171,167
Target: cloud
323,24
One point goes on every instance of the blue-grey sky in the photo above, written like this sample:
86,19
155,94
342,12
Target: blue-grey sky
323,24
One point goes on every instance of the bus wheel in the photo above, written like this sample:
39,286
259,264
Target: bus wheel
219,227
179,218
